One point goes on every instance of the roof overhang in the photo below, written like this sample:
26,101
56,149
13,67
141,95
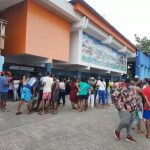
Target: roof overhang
83,8
62,8
4,4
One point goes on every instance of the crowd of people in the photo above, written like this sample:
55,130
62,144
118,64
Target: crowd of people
43,94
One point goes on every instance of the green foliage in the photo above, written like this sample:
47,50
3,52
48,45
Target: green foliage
143,44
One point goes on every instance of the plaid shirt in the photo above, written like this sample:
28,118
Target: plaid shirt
126,99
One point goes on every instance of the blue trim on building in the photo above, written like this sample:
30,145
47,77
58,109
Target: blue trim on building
142,65
48,67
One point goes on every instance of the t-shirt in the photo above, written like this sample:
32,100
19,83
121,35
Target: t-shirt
4,84
48,84
31,83
83,88
16,83
62,85
146,92
102,85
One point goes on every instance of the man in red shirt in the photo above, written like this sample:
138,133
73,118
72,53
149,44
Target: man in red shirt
146,113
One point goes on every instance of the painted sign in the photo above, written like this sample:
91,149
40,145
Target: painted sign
21,68
94,52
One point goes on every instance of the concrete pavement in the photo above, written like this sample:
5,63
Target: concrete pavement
68,130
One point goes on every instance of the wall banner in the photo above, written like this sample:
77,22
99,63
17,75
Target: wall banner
96,53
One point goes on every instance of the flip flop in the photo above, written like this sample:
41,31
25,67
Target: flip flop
18,113
140,131
148,137
54,112
40,113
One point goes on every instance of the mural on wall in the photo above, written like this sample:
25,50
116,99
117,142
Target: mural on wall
94,52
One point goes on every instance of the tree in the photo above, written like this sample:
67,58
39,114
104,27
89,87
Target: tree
143,44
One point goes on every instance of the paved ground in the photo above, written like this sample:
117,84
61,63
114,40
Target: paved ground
68,130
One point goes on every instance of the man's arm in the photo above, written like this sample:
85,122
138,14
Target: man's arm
147,101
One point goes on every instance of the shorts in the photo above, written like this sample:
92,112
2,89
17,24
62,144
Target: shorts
146,114
3,96
81,97
55,97
26,94
140,114
46,96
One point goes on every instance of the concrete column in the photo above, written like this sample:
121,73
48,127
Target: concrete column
48,67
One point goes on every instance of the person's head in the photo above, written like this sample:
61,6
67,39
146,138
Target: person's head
102,79
148,81
47,74
139,83
74,79
132,83
39,75
52,75
24,77
61,80
8,73
2,73
136,78
92,79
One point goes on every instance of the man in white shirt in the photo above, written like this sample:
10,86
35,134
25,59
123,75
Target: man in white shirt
47,87
102,91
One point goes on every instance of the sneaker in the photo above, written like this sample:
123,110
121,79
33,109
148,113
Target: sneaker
130,139
117,135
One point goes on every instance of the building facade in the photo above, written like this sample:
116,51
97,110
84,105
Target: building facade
142,64
67,38
2,36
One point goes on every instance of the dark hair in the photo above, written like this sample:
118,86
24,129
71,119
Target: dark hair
74,80
52,75
47,74
148,81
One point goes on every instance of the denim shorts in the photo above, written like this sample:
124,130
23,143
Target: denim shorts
3,96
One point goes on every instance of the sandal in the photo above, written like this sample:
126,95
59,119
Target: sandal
41,113
18,113
140,131
54,112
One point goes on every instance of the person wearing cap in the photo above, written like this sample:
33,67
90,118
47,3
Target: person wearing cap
136,78
4,86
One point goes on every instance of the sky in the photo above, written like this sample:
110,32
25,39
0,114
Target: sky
129,17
